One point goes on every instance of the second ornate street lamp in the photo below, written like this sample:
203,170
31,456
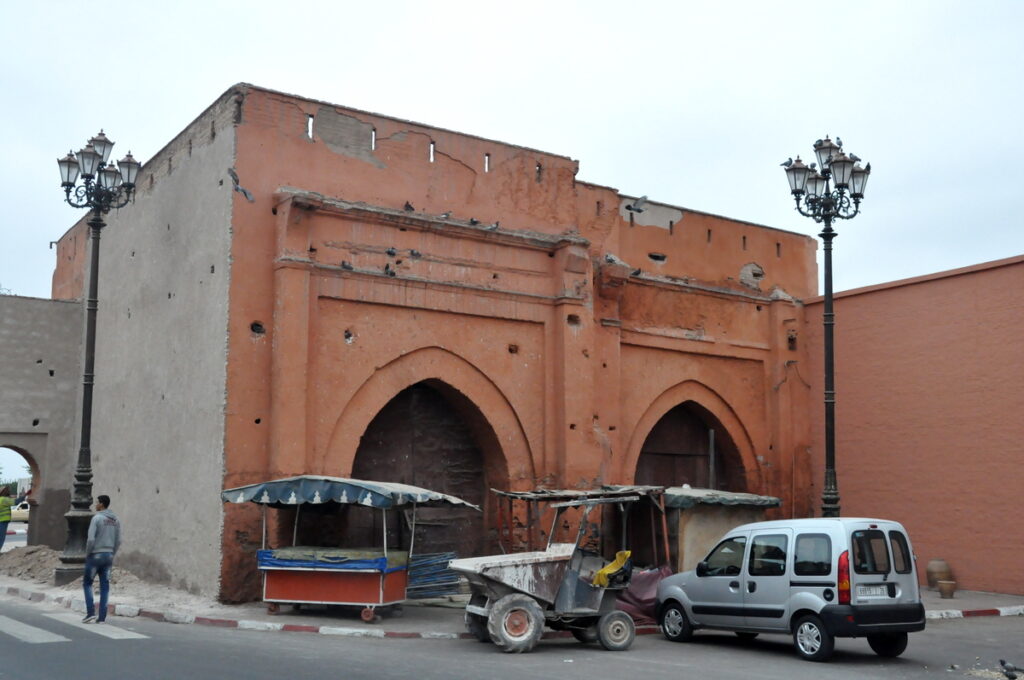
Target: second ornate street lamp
102,187
832,194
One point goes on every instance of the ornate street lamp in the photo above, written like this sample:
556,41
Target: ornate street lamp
834,192
102,187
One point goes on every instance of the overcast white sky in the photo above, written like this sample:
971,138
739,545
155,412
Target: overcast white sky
691,103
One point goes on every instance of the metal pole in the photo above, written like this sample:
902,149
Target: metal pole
712,477
295,530
79,516
830,495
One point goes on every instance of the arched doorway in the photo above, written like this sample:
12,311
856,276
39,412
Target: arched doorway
431,435
16,473
690,446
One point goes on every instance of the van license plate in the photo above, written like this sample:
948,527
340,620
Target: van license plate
872,591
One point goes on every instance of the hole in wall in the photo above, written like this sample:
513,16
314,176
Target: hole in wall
709,236
597,209
671,226
309,126
759,308
51,372
213,130
211,268
273,211
573,320
349,337
487,162
431,152
258,421
513,349
611,428
572,426
35,422
494,275
658,257
791,340
539,171
744,243
39,361
778,250
170,165
190,148
373,139
257,328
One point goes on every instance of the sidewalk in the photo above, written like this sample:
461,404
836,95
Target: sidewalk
440,618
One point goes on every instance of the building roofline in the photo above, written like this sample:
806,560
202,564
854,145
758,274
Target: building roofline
946,274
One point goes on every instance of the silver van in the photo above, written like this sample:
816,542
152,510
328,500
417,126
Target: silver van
814,579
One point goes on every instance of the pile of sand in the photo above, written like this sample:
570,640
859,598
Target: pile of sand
37,563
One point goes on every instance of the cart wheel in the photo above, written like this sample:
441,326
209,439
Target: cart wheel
273,607
516,623
585,635
368,614
616,631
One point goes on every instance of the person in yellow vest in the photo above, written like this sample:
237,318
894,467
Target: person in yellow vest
5,511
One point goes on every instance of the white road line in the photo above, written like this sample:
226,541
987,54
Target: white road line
104,629
27,633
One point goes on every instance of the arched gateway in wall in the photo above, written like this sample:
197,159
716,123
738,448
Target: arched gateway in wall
434,420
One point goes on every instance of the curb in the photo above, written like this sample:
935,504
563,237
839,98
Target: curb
17,532
171,616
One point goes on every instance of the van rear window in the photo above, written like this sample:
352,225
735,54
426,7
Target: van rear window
870,552
813,555
901,557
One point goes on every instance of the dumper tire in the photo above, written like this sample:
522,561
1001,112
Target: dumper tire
515,623
477,627
585,635
616,631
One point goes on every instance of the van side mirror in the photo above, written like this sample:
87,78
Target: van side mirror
702,569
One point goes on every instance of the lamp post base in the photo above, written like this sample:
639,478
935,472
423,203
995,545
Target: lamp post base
73,558
68,572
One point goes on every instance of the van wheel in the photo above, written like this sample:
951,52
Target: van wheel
888,645
812,640
675,626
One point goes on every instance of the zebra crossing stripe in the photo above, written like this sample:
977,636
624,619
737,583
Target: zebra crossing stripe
104,629
27,633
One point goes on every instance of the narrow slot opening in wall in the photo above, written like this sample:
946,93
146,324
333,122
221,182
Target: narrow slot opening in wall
373,139
631,219
309,126
778,250
657,257
431,152
744,243
709,236
539,170
671,226
598,209
487,162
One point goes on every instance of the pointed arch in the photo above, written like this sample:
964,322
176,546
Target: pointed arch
711,401
497,425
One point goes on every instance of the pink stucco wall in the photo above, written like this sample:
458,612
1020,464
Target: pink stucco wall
929,425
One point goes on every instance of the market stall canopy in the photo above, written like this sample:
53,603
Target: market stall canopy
684,497
580,495
315,489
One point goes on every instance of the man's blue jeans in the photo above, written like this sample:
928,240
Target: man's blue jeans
3,533
97,564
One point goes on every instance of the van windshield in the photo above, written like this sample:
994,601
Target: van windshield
870,552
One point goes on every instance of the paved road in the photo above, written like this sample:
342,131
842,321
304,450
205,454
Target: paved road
38,641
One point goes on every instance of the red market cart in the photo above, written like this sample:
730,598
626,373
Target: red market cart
367,577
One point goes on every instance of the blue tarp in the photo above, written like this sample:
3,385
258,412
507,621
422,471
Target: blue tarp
265,559
314,489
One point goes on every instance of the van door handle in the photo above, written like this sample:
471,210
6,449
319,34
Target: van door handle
734,584
751,586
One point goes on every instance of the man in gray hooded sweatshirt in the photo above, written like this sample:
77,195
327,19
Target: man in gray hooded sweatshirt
102,544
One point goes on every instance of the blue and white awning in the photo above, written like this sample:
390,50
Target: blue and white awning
316,490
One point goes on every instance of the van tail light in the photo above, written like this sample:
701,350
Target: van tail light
844,577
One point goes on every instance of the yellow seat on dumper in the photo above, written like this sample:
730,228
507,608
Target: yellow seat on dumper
601,576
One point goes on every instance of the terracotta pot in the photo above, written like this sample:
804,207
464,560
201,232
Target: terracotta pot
946,589
938,570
